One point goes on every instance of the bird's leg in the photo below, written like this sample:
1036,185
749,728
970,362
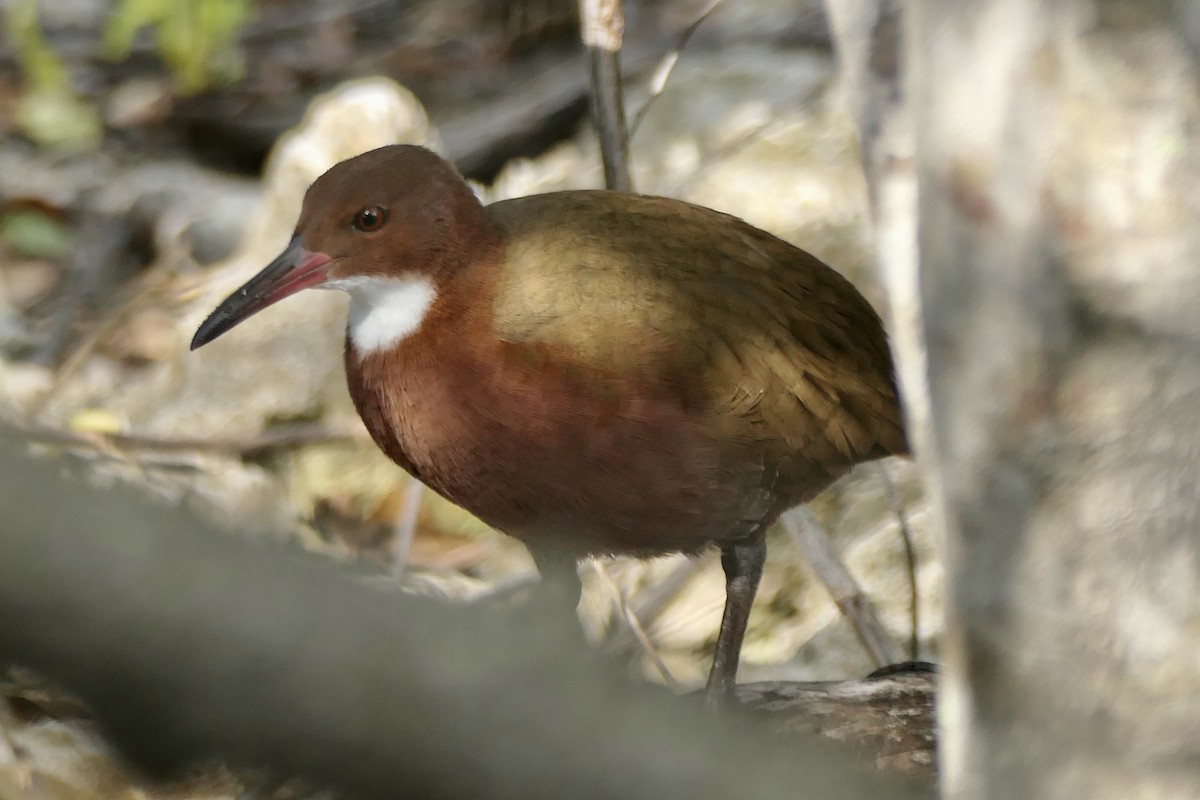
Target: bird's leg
560,576
743,564
557,583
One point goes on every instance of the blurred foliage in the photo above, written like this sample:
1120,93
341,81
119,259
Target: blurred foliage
49,112
198,38
34,234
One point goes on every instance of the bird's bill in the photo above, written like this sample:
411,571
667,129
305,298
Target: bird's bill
294,269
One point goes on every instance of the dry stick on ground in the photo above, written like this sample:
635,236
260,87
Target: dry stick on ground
634,624
278,438
658,82
603,26
406,526
652,602
910,557
820,553
506,586
75,358
656,597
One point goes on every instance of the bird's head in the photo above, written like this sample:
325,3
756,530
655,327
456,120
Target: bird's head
387,227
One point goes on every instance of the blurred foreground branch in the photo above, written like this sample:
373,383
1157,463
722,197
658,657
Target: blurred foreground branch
189,643
1057,415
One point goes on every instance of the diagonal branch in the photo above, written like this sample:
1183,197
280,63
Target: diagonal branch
658,82
819,551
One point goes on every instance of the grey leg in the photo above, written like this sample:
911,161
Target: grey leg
743,564
560,576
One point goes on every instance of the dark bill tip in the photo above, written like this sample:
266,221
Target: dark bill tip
294,269
219,321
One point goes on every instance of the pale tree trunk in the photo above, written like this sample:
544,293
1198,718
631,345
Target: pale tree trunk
1054,144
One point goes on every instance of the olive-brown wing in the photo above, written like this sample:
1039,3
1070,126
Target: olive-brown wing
784,354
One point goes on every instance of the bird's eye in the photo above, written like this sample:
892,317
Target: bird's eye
370,219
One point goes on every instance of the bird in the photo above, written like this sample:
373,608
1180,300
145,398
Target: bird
591,372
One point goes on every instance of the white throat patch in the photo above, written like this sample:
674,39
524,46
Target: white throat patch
384,311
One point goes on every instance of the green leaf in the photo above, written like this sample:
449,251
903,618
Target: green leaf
34,234
197,38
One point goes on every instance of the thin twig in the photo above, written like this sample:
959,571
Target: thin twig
658,82
406,526
635,625
76,357
506,586
654,600
910,556
818,549
277,438
603,26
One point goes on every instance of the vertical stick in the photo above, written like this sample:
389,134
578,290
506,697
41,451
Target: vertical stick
406,526
603,25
